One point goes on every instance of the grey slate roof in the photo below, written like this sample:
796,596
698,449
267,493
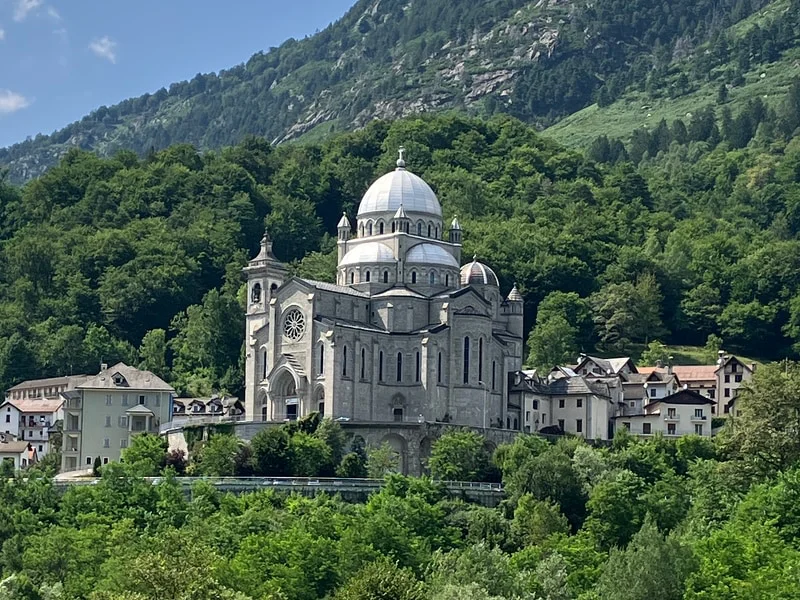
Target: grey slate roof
688,397
50,381
613,365
136,380
332,287
575,385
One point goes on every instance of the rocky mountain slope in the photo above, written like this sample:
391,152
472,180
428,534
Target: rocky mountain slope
384,59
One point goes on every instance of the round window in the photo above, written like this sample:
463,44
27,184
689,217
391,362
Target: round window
294,324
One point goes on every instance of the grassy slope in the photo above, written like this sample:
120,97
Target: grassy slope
688,355
637,109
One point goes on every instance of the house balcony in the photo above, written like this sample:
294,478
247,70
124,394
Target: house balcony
699,418
672,418
37,425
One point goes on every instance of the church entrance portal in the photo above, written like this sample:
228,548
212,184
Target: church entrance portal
285,398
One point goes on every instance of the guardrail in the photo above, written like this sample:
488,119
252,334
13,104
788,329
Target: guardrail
300,482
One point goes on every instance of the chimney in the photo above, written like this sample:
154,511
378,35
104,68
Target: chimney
103,366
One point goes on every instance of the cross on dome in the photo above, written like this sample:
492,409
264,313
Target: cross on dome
401,163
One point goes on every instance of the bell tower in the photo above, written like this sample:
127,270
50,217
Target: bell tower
265,274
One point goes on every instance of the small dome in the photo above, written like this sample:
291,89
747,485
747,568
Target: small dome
476,273
455,225
400,188
430,254
369,253
514,295
344,222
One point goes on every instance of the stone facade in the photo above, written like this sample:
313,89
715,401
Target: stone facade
405,335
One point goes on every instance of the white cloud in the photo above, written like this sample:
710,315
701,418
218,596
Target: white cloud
12,102
105,47
2,34
24,7
53,13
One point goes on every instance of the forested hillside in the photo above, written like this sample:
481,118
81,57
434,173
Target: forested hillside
539,61
690,518
139,259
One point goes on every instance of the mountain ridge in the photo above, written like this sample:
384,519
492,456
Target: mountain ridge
386,59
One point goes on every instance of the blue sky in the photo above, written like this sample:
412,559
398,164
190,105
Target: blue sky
60,59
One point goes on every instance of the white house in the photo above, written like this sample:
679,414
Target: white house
685,412
20,454
32,420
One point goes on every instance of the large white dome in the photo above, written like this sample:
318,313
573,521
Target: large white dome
368,254
430,254
400,188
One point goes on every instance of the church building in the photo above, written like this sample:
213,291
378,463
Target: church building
406,333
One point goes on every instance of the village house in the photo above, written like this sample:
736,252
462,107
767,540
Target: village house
103,414
33,420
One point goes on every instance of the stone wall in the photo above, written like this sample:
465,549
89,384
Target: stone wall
412,441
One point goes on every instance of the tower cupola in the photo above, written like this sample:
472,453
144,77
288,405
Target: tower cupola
455,231
344,228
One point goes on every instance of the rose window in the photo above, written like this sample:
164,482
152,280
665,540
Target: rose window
294,324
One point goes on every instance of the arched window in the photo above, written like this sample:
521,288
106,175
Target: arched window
447,280
321,369
344,361
413,277
436,233
321,408
439,369
407,226
367,276
386,277
264,363
480,359
432,278
380,228
255,295
380,366
369,228
361,230
419,228
417,367
494,375
429,230
393,226
466,360
399,366
363,363
352,277
516,423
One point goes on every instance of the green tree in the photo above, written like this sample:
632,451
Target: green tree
656,353
459,456
271,452
765,430
308,455
652,566
146,455
153,352
552,343
382,580
536,520
353,465
381,461
331,432
218,455
615,509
